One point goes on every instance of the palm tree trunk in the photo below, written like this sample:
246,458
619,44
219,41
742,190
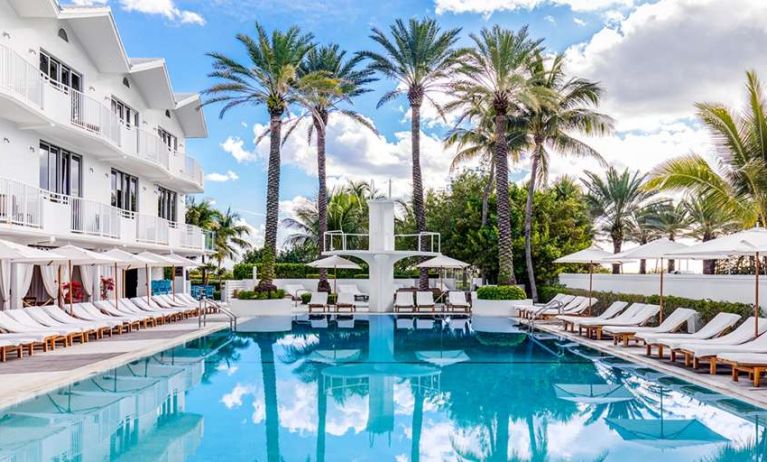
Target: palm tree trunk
322,411
269,375
505,251
415,446
320,125
617,237
643,262
529,223
272,205
709,266
415,97
486,193
502,435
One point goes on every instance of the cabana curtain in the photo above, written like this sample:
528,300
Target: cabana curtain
49,275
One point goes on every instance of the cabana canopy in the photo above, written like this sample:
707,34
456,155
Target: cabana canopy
657,249
18,253
333,262
442,261
743,243
591,255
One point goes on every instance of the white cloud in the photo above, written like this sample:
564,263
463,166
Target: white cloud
579,21
488,7
222,177
233,399
165,8
550,18
661,58
235,146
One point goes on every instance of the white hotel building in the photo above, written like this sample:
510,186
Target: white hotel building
92,142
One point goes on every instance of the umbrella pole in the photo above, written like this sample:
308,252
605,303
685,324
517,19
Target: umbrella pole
591,279
71,287
173,281
59,300
756,297
146,283
660,315
115,286
335,280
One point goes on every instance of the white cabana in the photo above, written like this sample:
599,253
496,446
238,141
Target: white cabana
81,257
591,256
14,253
179,262
124,260
749,243
152,260
658,249
334,262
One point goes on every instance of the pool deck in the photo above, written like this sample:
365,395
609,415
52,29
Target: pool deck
720,383
44,372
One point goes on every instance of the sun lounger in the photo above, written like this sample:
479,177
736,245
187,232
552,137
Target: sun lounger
345,301
108,307
743,334
88,312
425,300
576,307
754,364
139,304
163,303
25,316
319,301
49,337
404,300
100,327
641,317
671,324
295,291
456,301
9,342
611,311
718,325
703,352
559,301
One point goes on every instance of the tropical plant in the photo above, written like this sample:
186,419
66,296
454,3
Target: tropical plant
419,56
737,183
550,128
270,80
708,221
495,74
205,216
641,230
670,221
336,81
613,200
231,238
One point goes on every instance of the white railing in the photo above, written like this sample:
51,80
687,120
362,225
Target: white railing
20,78
91,115
192,170
20,204
420,242
152,148
95,218
152,229
191,236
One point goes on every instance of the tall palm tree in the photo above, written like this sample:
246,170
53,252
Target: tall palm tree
613,200
738,183
230,240
670,221
496,73
343,81
419,56
641,229
205,216
707,221
551,128
269,80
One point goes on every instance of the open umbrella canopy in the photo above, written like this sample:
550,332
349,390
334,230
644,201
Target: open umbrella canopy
590,255
334,262
659,248
178,260
155,260
665,433
743,243
127,260
18,253
599,393
443,261
80,256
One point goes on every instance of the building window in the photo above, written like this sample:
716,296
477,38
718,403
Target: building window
127,115
124,191
60,75
60,170
166,203
168,140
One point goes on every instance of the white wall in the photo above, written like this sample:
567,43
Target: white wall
730,288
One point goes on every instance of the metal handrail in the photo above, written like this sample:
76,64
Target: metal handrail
555,304
328,240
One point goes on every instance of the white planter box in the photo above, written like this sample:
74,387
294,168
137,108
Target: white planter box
497,307
249,308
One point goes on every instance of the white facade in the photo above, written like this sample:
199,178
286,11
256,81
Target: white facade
66,84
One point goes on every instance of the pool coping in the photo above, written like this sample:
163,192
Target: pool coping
47,385
726,387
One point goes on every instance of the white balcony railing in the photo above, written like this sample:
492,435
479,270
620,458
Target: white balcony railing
95,218
152,148
20,79
192,170
190,236
152,229
419,242
91,115
20,204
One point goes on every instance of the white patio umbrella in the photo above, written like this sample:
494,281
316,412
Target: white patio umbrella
750,243
334,262
442,262
591,256
79,256
658,249
153,260
124,260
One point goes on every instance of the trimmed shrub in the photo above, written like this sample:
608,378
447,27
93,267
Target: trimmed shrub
500,293
255,295
707,308
306,297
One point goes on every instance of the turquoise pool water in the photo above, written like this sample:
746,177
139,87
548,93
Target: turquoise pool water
380,388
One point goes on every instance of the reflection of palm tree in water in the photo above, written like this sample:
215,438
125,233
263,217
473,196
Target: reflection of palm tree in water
269,375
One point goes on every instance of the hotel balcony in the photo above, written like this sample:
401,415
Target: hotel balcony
38,215
30,99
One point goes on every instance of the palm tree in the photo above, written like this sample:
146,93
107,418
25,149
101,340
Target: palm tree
550,128
641,230
270,80
738,183
496,74
613,200
203,215
230,238
343,81
671,221
419,56
707,221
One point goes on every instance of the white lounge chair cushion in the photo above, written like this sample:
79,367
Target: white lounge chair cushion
611,311
716,326
319,298
745,358
424,298
404,298
456,298
742,334
345,298
670,324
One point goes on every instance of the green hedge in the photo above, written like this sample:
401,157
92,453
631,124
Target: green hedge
253,295
306,297
707,308
500,293
302,271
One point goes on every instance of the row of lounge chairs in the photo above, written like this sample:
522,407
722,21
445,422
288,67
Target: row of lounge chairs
45,327
560,305
721,341
404,301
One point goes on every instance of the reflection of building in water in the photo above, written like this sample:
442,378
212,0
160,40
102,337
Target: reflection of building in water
135,412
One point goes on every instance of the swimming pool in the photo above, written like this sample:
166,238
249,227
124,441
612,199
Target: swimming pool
382,388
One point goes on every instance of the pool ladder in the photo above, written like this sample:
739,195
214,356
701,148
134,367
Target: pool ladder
555,304
202,319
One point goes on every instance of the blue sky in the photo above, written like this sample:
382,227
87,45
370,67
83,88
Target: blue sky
654,58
